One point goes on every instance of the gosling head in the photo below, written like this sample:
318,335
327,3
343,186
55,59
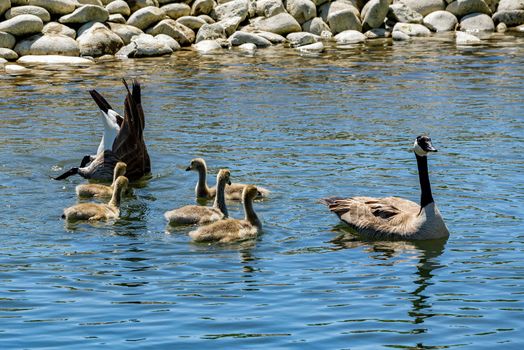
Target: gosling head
423,146
121,183
224,175
250,192
120,169
196,164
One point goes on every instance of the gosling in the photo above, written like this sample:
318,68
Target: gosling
232,230
197,214
95,211
233,191
99,190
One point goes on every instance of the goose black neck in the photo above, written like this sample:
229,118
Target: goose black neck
202,189
425,187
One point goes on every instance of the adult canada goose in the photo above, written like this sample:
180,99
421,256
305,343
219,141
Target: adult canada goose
232,230
128,146
95,211
393,217
99,190
233,191
197,214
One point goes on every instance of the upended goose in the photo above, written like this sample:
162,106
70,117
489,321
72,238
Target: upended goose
99,190
393,217
232,230
197,214
95,211
233,191
128,145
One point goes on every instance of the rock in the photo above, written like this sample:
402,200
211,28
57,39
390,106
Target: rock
176,11
376,33
28,10
248,47
340,16
15,69
4,6
301,39
463,7
312,48
239,38
301,10
54,7
210,32
54,59
144,45
510,18
8,54
230,24
269,8
86,13
182,34
350,37
117,18
374,13
425,7
207,46
282,24
206,18
202,7
145,17
192,22
509,5
3,61
22,25
234,8
441,21
400,12
48,44
272,37
7,40
315,26
477,22
169,41
412,29
466,39
96,40
125,32
400,36
91,2
136,5
118,6
57,28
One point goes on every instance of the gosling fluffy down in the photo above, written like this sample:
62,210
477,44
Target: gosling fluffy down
99,190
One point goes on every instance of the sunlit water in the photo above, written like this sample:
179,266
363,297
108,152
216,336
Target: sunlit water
306,127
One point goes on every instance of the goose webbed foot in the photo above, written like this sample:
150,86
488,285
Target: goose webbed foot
70,172
86,160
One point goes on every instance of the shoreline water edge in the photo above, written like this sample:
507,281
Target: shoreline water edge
79,32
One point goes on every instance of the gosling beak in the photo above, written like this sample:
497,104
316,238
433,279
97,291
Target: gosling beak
188,168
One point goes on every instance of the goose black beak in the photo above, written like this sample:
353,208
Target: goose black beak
188,168
430,148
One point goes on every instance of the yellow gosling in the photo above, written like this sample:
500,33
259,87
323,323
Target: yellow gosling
99,190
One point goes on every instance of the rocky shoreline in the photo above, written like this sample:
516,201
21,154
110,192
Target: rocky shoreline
78,31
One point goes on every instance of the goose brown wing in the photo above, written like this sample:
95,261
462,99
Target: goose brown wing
129,145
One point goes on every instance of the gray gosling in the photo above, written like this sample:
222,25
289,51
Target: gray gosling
95,211
233,191
393,217
197,214
232,230
99,190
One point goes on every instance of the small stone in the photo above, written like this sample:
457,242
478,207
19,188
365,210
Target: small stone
412,29
4,6
248,47
207,46
202,7
477,22
57,28
312,48
145,17
502,28
425,7
182,34
125,32
118,7
7,40
350,37
48,44
96,40
22,25
234,8
301,39
511,18
169,41
464,7
144,45
86,13
316,26
466,39
54,7
117,18
269,8
175,11
210,32
239,38
282,24
40,12
192,22
15,69
8,54
230,24
340,16
399,36
441,21
55,59
206,18
271,37
400,12
136,5
301,10
377,33
374,13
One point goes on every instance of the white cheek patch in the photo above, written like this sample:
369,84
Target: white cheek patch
418,150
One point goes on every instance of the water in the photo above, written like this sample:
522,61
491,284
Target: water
306,127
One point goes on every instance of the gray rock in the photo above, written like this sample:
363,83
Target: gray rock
144,45
58,28
210,32
4,6
466,39
282,24
301,39
400,12
206,18
118,6
400,36
350,37
511,5
28,10
312,48
377,33
15,69
234,8
441,21
248,47
145,17
301,10
230,24
136,5
8,54
340,16
7,40
117,18
182,34
315,26
125,32
477,22
31,60
207,46
176,11
374,13
272,37
239,38
91,2
463,7
269,8
54,7
86,13
192,22
501,28
424,7
22,25
202,7
3,61
169,41
96,40
510,18
412,29
48,44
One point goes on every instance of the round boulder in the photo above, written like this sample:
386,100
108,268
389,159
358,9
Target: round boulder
202,7
22,25
463,7
239,38
145,17
477,22
8,54
315,26
340,16
234,8
425,7
28,10
210,32
511,18
441,21
191,22
350,37
466,39
144,45
400,12
374,13
57,28
54,7
97,40
48,44
182,34
4,6
510,5
301,10
268,8
86,13
282,24
207,46
176,11
301,39
7,40
124,31
118,7
169,41
412,29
